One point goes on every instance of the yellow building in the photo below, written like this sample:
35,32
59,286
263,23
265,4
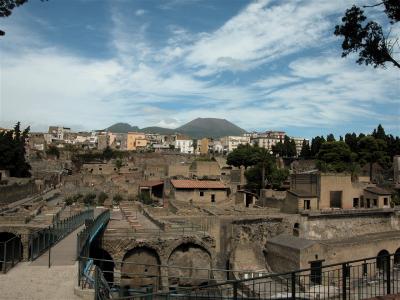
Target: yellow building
136,140
202,146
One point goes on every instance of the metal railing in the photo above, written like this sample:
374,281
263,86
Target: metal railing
85,238
358,279
42,239
10,253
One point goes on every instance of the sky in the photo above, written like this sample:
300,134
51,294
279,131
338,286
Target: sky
263,65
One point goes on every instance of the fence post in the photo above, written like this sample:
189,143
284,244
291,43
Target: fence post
344,281
5,258
12,252
388,283
96,283
235,290
293,280
49,256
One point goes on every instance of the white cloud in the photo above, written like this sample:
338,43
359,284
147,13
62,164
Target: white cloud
148,84
140,12
262,32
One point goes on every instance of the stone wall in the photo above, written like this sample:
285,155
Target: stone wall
15,192
328,227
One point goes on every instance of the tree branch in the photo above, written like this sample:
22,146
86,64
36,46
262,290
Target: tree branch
374,5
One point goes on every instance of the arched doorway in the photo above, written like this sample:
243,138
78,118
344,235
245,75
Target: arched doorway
10,250
296,229
140,269
104,261
189,265
397,257
382,260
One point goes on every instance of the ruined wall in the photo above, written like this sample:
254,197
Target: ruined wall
329,227
261,229
15,192
194,195
282,259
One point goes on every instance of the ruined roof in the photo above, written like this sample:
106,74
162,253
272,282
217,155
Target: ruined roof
197,184
150,183
377,190
291,241
302,193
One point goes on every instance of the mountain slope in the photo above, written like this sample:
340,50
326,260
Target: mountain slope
159,130
210,127
197,128
122,128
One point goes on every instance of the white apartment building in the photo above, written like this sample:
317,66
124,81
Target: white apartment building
58,132
299,143
184,144
266,142
231,142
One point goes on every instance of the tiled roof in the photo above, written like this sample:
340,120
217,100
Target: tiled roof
151,183
377,190
197,184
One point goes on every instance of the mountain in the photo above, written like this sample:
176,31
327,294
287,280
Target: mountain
122,128
159,130
197,128
210,127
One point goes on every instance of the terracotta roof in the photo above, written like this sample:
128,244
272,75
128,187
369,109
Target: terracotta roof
151,183
377,190
197,184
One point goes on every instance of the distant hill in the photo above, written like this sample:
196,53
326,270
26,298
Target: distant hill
160,130
122,128
210,127
197,128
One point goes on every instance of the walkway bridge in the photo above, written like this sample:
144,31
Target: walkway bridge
27,232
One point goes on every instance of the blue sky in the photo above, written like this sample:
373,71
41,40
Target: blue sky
260,64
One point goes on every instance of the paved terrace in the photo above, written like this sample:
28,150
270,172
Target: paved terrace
36,281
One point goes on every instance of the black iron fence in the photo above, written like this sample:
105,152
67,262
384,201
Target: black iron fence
10,253
359,279
42,239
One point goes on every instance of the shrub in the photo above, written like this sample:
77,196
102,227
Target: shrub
69,201
89,199
101,198
117,199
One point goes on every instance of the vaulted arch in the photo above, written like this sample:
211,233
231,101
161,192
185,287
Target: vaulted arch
189,265
140,268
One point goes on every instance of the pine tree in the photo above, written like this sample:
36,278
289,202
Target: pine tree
305,150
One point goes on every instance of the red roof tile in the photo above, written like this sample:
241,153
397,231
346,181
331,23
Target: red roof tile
197,184
151,183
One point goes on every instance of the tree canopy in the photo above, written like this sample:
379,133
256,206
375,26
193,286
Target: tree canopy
368,38
12,151
7,6
287,148
335,156
262,165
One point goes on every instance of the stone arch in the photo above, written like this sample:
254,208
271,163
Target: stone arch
141,269
189,265
104,261
397,257
11,250
382,260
